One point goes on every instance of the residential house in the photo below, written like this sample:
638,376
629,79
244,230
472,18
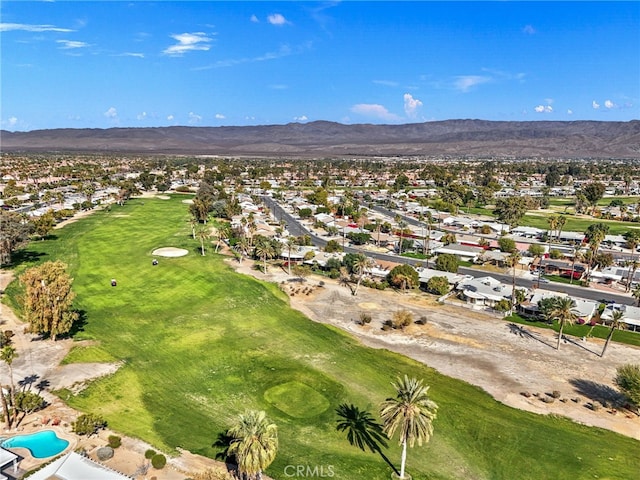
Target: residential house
483,291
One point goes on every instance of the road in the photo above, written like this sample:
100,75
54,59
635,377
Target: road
296,229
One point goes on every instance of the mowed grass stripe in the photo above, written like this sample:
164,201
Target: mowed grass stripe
201,344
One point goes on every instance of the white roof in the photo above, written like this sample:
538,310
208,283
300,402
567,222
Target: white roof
6,457
74,466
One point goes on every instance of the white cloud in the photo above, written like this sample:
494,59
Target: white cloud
279,86
188,42
220,116
609,104
375,111
71,44
569,112
303,118
528,29
595,105
13,121
194,118
544,109
277,19
170,117
411,105
7,27
142,116
112,113
131,54
466,82
254,19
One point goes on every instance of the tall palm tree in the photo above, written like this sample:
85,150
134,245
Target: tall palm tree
616,323
562,311
577,255
8,354
254,443
264,249
291,245
241,247
595,233
202,234
411,412
360,265
553,226
513,259
562,220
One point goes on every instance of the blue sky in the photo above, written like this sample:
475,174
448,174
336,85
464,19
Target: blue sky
146,64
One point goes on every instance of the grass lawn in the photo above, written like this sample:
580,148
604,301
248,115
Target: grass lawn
201,344
574,224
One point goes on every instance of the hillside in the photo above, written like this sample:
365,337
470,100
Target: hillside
586,139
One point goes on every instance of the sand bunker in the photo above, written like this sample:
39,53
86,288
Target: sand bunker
188,201
170,252
163,197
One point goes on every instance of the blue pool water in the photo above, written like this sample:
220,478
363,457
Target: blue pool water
41,445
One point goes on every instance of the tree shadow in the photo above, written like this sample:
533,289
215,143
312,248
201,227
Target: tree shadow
524,333
578,344
222,443
28,381
23,256
362,430
597,392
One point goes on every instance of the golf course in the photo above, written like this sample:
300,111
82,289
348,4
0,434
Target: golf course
199,344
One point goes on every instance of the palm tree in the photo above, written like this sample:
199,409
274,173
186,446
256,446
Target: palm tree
291,245
241,247
8,354
193,221
401,226
264,249
360,265
553,225
562,311
596,232
636,293
254,443
362,430
223,231
577,255
562,220
616,323
513,259
202,233
412,413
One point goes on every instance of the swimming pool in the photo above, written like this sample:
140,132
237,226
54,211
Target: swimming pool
41,445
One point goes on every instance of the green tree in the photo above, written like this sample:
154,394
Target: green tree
14,233
411,413
507,244
8,354
360,266
48,299
202,234
254,443
513,260
438,285
510,210
447,262
616,323
88,424
562,311
593,192
595,234
403,277
628,380
44,224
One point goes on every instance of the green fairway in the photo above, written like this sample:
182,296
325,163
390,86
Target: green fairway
200,344
575,224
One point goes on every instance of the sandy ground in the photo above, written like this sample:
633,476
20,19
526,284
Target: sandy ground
504,359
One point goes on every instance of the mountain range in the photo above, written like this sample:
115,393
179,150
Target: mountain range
474,138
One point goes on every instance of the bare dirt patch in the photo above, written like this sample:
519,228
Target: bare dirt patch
504,359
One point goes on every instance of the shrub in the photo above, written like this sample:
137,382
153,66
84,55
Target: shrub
556,394
422,320
525,394
158,461
438,285
114,441
365,318
402,319
149,454
88,424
